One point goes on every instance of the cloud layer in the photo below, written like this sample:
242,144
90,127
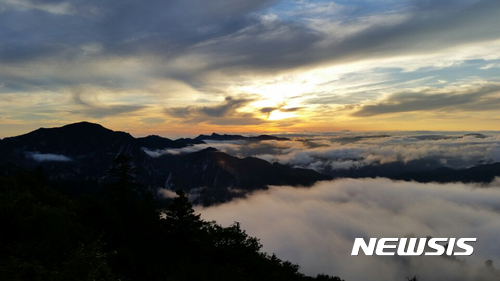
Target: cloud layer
413,151
41,157
316,227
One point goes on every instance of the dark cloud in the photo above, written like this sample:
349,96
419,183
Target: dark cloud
426,28
231,33
228,107
32,33
223,114
422,29
121,26
482,98
269,110
291,109
265,47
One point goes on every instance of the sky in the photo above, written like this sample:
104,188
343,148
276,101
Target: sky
179,68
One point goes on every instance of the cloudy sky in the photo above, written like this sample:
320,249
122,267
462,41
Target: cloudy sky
187,67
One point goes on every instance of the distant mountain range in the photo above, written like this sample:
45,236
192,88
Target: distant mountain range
217,137
422,171
156,142
84,152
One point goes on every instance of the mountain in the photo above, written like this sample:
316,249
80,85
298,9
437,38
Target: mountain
72,140
482,174
84,152
188,141
80,151
225,137
223,177
155,142
422,171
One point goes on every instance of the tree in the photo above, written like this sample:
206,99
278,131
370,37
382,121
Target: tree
326,277
180,219
121,192
48,236
123,170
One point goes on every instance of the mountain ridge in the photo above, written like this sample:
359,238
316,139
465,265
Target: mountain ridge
226,137
85,151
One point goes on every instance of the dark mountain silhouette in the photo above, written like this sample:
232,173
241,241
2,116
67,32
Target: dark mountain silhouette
217,137
119,234
85,151
422,171
388,170
358,138
155,142
224,176
70,140
481,174
188,141
353,139
89,148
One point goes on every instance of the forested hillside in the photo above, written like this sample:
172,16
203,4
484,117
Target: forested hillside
120,234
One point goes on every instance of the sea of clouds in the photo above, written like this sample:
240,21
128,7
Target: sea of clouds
316,227
345,150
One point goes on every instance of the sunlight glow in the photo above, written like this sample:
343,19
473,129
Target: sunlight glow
278,115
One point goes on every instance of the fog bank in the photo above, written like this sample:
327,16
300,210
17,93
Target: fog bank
315,227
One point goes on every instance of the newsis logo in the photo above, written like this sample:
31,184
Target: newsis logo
408,247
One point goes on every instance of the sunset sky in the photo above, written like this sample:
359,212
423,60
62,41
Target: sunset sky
194,66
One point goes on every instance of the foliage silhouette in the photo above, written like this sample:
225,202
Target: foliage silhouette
119,234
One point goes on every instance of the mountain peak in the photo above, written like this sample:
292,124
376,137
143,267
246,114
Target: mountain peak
155,137
208,149
79,127
84,125
80,138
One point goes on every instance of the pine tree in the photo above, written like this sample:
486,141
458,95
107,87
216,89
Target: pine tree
123,170
181,221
